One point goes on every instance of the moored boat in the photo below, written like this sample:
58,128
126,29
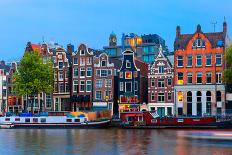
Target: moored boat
152,120
56,120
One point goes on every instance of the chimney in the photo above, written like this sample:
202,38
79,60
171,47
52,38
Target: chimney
224,27
198,28
70,49
178,32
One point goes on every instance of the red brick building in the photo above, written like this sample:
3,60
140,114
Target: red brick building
199,64
103,82
160,85
82,78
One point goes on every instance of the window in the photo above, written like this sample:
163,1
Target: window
98,72
219,96
208,60
108,83
17,119
103,63
179,61
121,74
180,96
161,83
161,69
77,120
121,86
89,71
82,61
219,78
135,74
82,85
189,61
98,95
203,43
160,97
128,75
199,60
75,61
66,87
152,96
152,82
98,83
169,81
128,64
208,78
180,78
198,96
88,86
60,65
35,120
109,72
27,120
108,93
189,78
82,71
75,72
199,78
61,87
60,75
136,86
48,101
169,96
198,42
89,61
43,120
103,73
218,59
128,87
75,86
82,52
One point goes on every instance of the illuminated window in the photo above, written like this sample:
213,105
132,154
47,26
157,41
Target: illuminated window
180,96
180,78
128,75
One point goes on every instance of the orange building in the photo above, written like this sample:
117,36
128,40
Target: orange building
199,64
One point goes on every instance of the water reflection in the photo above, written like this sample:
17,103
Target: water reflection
110,141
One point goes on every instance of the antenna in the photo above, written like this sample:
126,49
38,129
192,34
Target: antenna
214,25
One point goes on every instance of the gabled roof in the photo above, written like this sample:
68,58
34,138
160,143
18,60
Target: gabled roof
142,66
182,41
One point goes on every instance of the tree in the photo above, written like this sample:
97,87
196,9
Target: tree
32,76
228,70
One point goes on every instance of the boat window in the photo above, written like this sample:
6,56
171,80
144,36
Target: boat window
35,120
170,120
43,120
17,119
27,120
68,120
7,119
180,120
162,120
77,120
154,121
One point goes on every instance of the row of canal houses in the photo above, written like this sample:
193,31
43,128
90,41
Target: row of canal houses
186,83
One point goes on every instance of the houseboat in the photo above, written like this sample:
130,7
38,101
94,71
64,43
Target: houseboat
52,120
139,119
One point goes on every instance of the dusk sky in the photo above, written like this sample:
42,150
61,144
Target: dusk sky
91,21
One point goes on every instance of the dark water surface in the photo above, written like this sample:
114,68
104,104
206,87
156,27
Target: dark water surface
109,141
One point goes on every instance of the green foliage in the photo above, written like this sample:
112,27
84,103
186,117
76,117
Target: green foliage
32,76
228,71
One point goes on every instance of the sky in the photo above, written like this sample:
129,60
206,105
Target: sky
92,21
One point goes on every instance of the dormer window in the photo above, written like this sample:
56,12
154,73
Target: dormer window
128,64
103,63
82,52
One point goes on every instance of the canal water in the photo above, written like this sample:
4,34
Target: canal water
112,141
